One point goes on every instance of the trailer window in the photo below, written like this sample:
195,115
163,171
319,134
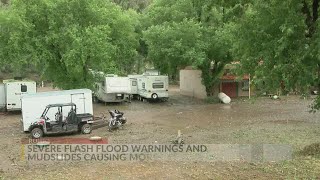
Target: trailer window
24,88
157,85
143,85
134,83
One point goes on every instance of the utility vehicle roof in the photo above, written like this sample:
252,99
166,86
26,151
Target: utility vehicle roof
58,105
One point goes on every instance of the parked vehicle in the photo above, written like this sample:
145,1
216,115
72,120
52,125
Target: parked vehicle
117,119
73,122
33,105
150,85
113,89
153,87
11,91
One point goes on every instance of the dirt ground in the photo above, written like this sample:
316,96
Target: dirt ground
255,121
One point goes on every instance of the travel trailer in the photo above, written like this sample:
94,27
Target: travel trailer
153,87
33,105
11,91
113,89
150,85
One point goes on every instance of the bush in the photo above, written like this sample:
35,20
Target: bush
311,150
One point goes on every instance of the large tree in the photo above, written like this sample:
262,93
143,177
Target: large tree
138,6
191,32
66,38
278,42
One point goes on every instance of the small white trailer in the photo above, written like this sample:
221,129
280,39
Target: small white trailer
113,89
153,87
33,105
11,91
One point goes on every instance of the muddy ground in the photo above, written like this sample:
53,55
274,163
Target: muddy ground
255,121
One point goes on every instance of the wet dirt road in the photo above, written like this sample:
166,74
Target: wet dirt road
259,121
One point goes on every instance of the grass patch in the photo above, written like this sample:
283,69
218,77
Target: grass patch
295,169
311,150
212,100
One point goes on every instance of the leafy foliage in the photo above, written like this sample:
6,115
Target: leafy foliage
190,32
67,38
138,5
277,43
173,46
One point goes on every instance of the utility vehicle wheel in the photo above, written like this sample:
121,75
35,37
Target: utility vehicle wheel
154,96
86,129
36,133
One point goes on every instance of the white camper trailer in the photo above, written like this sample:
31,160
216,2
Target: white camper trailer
153,87
33,105
11,91
113,89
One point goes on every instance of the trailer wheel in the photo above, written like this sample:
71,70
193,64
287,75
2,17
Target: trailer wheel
95,99
86,129
36,133
154,96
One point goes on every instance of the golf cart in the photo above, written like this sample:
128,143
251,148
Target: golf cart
61,118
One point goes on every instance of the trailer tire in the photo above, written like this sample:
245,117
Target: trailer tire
154,96
86,129
36,133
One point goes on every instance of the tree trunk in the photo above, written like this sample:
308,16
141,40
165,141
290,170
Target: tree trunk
315,7
318,78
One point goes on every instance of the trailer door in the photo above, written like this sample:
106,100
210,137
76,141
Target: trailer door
79,100
133,86
13,95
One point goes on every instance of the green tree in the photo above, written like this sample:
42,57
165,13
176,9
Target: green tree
138,5
138,61
278,43
66,38
191,32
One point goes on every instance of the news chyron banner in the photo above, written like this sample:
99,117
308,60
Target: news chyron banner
83,149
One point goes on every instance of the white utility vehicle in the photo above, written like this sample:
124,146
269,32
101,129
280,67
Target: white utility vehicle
34,105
